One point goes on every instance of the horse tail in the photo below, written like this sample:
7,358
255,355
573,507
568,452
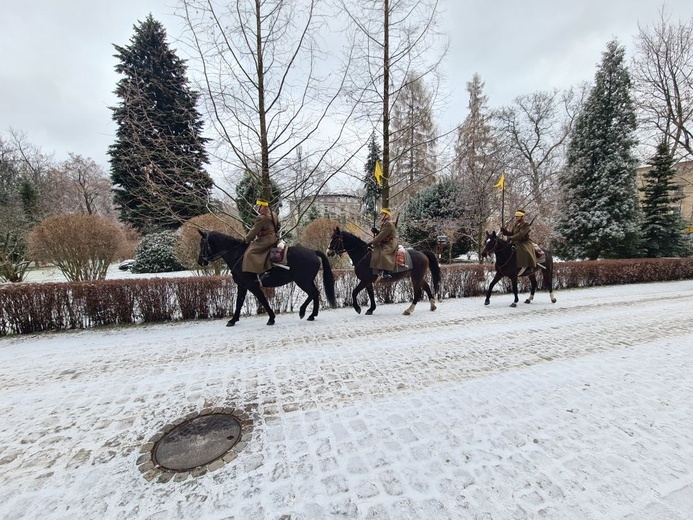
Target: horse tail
327,279
435,270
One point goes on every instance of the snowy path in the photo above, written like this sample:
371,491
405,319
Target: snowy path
580,409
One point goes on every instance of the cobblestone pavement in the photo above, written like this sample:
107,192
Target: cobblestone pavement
577,410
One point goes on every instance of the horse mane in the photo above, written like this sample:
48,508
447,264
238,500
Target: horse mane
224,238
353,237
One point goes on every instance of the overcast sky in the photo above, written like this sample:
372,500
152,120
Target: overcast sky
57,74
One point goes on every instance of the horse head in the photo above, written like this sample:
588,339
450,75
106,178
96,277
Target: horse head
336,246
205,256
490,244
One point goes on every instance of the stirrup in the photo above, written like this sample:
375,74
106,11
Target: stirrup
386,275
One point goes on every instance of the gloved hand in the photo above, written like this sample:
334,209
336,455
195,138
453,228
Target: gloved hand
370,247
374,230
505,231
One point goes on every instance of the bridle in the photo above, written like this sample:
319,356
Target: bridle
340,245
217,256
493,250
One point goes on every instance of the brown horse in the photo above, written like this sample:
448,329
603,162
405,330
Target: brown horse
357,249
506,265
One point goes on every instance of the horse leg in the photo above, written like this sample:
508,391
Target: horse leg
314,296
355,295
431,299
257,292
533,288
514,282
240,298
495,280
371,297
417,297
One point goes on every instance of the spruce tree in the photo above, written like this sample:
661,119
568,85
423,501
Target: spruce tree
601,214
158,155
372,191
663,224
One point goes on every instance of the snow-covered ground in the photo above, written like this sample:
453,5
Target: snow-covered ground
576,410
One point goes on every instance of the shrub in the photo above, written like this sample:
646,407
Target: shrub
156,253
81,246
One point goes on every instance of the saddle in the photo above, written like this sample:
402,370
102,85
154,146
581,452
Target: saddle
402,259
540,254
277,254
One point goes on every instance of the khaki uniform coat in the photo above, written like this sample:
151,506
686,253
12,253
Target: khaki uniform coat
262,237
524,249
384,247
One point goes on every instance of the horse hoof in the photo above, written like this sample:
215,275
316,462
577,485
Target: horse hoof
270,322
311,318
407,313
513,304
230,323
433,307
487,302
302,314
369,312
358,310
553,300
528,300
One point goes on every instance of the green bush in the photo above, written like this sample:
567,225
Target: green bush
156,253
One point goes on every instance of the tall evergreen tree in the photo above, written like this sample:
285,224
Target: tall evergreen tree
478,162
158,156
601,214
413,142
662,222
372,191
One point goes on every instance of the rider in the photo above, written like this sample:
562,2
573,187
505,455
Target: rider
519,237
384,246
261,238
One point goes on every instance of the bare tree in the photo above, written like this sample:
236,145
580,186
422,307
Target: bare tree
262,69
536,128
79,185
396,44
662,72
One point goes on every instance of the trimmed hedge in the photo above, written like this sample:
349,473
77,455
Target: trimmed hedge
36,307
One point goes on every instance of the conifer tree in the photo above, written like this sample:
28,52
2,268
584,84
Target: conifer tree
601,208
662,222
413,141
158,155
372,191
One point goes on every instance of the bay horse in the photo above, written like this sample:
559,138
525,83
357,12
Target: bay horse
506,265
422,261
303,264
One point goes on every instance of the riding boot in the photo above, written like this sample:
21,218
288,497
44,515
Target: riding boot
263,277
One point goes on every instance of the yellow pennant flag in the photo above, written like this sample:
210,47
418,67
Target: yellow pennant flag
378,173
501,183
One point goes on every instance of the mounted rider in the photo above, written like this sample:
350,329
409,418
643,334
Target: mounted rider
384,246
261,238
519,237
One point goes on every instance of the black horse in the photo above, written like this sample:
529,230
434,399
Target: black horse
357,249
303,264
506,265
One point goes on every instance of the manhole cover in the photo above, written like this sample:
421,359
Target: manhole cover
197,442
